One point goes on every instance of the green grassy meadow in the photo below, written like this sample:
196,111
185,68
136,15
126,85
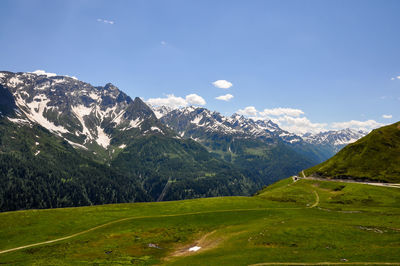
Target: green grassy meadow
305,222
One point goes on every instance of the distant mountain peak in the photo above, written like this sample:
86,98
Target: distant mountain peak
336,138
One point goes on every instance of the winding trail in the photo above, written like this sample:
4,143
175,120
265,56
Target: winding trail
316,200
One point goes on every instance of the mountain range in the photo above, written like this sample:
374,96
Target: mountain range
195,122
64,142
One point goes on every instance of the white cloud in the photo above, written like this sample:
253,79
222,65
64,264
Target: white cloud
293,120
248,111
387,116
360,125
163,43
397,77
42,72
287,118
299,125
176,102
282,111
222,84
171,101
106,21
195,99
226,97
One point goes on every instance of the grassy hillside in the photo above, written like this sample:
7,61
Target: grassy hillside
374,157
307,221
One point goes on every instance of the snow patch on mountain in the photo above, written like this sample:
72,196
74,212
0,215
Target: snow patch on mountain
80,112
102,138
77,111
34,111
19,121
14,82
156,129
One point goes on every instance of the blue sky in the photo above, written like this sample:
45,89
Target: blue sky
308,65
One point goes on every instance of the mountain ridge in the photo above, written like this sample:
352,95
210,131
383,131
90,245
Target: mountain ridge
259,128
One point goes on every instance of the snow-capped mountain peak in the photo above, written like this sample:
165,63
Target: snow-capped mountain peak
198,122
337,138
77,111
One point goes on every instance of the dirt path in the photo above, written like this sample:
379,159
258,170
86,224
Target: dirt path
316,200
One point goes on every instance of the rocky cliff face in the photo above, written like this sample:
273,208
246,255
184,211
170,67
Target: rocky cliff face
82,114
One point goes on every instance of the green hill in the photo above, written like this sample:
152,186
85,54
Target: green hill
307,222
373,157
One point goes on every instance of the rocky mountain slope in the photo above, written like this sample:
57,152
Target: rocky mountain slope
84,115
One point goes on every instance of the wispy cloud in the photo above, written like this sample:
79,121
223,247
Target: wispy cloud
222,84
105,21
176,102
163,43
226,97
387,116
